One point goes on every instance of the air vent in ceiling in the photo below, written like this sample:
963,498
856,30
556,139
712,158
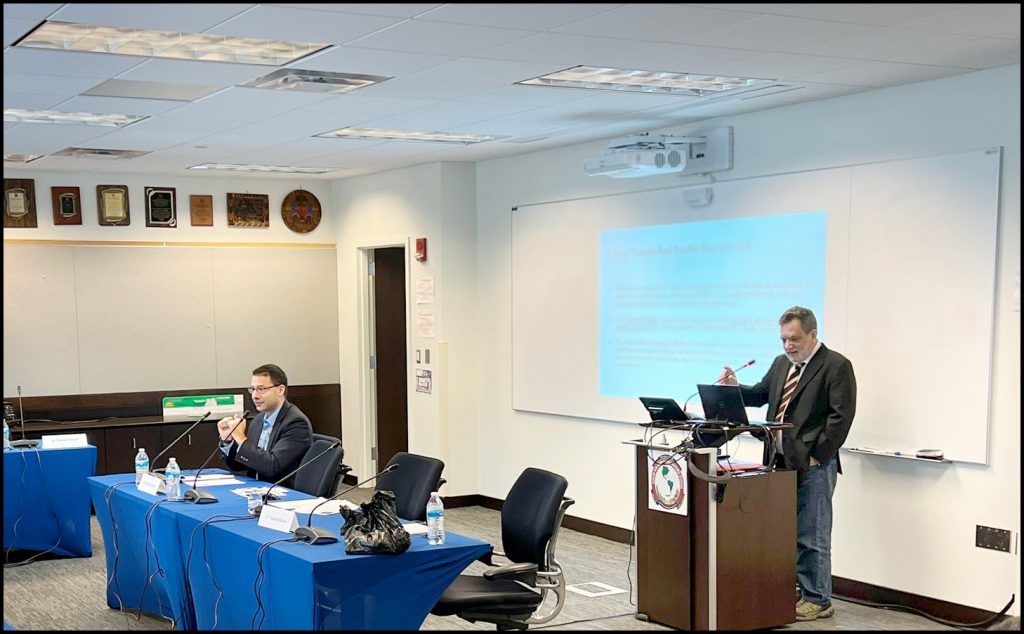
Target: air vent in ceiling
314,81
98,153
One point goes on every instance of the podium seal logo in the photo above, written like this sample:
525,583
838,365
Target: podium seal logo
667,483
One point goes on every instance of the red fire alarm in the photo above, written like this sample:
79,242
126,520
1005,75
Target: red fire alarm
421,249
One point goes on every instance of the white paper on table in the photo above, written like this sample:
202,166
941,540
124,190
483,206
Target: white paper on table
277,492
415,529
305,506
218,481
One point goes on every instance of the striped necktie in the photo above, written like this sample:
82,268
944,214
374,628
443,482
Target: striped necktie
788,389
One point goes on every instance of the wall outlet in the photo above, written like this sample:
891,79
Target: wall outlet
992,538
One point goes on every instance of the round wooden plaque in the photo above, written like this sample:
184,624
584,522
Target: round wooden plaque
301,211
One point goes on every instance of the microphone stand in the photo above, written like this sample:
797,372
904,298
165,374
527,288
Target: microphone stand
266,495
174,442
310,534
200,496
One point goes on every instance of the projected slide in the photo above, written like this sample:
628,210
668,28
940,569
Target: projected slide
677,302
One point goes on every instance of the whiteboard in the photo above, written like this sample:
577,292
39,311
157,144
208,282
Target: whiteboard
910,268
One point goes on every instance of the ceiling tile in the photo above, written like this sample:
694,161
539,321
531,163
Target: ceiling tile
368,61
150,90
678,58
395,9
442,117
14,28
880,74
440,38
30,101
67,63
988,20
980,53
423,89
47,84
28,11
781,66
209,117
884,44
132,138
272,100
46,138
659,22
526,95
180,71
775,33
190,18
535,17
487,71
358,108
563,49
275,22
871,13
118,105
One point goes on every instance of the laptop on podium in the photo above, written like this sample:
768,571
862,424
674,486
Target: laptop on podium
723,404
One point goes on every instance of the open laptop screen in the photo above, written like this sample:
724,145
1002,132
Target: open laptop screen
723,403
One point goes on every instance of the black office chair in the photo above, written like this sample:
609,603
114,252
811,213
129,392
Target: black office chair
412,483
321,479
508,595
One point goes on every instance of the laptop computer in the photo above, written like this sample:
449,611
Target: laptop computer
723,404
663,409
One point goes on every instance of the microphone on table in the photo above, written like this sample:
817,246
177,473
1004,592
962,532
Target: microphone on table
302,466
727,375
175,441
312,535
201,496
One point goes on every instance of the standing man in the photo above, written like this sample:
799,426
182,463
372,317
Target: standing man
281,432
813,389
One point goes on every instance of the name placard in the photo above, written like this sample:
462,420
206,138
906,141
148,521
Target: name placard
152,484
63,441
278,519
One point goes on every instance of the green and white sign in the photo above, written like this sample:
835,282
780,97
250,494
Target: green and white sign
219,405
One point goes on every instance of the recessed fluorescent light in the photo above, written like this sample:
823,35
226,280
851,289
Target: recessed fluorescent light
71,118
314,81
67,36
21,158
99,153
406,135
284,169
646,81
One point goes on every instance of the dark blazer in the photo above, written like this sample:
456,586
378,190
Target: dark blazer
290,439
821,409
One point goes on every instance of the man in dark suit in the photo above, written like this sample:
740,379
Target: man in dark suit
281,432
813,389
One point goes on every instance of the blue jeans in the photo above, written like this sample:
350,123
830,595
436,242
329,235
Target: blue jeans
814,532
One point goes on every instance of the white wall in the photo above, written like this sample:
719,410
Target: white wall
899,524
436,202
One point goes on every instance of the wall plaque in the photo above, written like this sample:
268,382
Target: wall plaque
19,203
301,211
67,205
248,210
161,210
112,203
201,209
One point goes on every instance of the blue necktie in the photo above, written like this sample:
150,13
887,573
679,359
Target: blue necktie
265,436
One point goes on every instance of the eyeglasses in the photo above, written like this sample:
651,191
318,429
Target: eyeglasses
261,389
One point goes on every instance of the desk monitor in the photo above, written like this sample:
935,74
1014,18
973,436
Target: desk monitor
663,409
723,404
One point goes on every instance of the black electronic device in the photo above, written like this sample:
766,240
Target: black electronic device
663,409
723,404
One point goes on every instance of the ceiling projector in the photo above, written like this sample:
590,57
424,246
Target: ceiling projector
641,155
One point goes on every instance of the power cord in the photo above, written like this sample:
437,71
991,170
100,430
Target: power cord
258,581
905,608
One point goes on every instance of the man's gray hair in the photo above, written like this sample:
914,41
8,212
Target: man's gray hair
806,317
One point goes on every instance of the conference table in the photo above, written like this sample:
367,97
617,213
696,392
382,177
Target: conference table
46,500
210,566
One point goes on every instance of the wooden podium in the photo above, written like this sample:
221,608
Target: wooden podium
727,565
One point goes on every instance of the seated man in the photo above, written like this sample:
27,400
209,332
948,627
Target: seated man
282,435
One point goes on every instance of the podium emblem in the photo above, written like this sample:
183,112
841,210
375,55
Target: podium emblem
668,484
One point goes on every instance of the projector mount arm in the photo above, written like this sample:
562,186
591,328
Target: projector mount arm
658,142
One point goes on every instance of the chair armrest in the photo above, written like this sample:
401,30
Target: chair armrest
525,572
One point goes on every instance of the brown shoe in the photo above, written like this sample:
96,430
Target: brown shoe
807,611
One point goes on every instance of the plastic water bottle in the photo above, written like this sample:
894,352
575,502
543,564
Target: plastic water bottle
141,465
435,519
172,476
7,436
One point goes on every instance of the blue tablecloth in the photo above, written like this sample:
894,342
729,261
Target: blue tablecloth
303,587
46,500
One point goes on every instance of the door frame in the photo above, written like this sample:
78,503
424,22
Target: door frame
367,381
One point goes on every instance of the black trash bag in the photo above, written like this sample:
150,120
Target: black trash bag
373,528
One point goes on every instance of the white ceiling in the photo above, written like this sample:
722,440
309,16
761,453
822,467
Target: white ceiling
454,68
